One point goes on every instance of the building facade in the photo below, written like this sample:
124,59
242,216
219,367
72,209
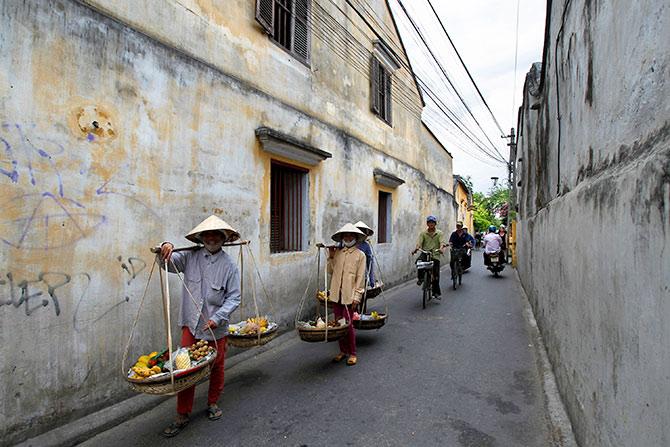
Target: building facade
593,199
124,124
463,198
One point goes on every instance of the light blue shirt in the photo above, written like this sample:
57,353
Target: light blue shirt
214,282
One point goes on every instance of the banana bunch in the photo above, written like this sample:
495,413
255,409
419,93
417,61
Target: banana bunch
321,295
182,360
262,322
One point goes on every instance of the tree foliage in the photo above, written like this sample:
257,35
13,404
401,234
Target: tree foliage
491,208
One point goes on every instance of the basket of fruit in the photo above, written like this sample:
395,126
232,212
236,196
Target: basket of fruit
252,332
154,373
373,320
318,330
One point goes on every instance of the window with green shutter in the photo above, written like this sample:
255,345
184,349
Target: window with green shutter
287,23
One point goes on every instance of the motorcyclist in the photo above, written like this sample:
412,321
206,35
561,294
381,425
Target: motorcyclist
492,244
432,240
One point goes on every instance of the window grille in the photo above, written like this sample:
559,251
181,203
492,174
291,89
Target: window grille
287,194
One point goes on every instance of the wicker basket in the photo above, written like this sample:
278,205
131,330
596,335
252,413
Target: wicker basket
249,341
365,325
182,380
374,291
319,335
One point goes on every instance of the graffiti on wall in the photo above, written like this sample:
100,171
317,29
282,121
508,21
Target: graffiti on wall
47,218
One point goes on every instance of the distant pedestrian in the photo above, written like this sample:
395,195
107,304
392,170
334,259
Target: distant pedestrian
365,247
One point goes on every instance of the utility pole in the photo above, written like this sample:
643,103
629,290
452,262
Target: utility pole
511,225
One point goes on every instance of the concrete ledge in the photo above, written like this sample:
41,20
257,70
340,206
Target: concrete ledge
560,427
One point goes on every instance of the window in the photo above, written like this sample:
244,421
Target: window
384,218
287,23
287,198
380,86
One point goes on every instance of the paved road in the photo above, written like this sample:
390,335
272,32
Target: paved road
459,373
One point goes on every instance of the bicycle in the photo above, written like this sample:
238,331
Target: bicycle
457,269
425,263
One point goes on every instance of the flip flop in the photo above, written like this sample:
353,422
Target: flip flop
339,357
214,413
351,361
174,428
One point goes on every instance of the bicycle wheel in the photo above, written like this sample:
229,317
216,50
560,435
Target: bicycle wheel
454,274
427,282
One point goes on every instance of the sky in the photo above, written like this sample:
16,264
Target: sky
484,33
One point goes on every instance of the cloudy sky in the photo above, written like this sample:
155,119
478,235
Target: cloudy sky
484,32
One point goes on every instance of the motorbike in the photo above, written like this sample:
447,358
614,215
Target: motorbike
495,264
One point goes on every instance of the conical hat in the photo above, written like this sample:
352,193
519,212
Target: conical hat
213,223
364,228
348,228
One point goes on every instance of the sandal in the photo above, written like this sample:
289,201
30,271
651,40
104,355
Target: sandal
174,428
351,361
214,412
339,357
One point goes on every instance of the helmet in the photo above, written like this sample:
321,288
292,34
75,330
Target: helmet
431,218
492,228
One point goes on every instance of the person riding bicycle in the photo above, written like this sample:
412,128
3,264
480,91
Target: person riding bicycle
459,240
432,240
492,243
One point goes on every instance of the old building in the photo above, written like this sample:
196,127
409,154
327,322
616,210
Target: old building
463,198
593,200
124,124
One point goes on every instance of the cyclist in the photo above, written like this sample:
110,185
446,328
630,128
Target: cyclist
459,240
432,240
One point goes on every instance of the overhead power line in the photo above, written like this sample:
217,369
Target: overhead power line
502,132
444,72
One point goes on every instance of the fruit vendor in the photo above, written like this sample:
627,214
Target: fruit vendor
347,268
211,293
365,247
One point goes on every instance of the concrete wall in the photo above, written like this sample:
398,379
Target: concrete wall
176,94
594,221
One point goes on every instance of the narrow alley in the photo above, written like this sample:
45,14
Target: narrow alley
462,372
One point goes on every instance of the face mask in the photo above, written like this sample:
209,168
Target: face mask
213,248
350,243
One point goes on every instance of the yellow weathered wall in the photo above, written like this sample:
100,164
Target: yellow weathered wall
176,93
464,211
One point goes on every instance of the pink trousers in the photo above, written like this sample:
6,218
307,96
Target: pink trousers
348,342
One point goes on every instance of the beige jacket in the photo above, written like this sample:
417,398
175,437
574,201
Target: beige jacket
347,269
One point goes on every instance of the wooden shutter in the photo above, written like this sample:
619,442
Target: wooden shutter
387,97
301,40
265,15
375,105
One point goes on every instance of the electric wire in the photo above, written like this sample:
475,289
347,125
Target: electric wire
502,132
403,63
418,31
360,63
516,54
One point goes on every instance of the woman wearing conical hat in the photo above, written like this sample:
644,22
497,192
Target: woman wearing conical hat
347,268
213,282
365,247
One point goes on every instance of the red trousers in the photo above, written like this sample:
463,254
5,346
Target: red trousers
348,342
185,398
